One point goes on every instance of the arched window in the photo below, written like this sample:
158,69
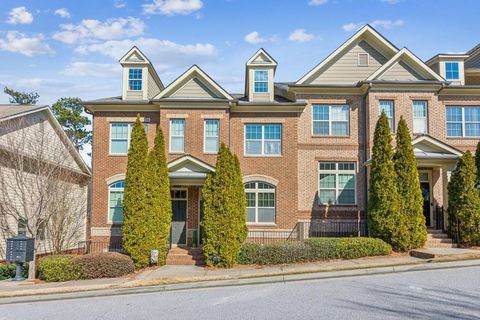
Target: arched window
115,200
260,202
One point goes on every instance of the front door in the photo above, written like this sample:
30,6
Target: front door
425,187
179,217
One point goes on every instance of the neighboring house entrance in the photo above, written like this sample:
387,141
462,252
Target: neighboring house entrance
427,199
178,231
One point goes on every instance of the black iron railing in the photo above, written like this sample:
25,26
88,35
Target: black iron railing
89,246
439,218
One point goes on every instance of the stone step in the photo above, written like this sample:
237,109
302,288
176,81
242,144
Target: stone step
185,256
440,240
441,245
434,231
437,236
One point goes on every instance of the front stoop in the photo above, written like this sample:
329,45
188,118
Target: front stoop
185,256
438,239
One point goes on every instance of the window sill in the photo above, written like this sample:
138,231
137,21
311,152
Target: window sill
261,156
177,152
261,224
337,205
118,154
320,136
115,224
211,153
463,138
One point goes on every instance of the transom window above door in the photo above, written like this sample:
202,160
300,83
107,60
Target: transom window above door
330,120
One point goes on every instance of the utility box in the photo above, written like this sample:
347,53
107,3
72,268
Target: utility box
20,249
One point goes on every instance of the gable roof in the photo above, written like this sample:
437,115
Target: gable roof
434,148
189,163
366,32
203,78
136,56
261,57
412,61
8,112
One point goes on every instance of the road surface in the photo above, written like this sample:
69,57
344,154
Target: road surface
439,294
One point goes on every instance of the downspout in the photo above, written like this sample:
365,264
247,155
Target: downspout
365,144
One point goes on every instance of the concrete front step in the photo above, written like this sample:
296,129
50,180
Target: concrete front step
434,231
437,236
438,239
185,256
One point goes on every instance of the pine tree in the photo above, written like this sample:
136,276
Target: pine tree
158,206
224,221
384,218
134,196
408,186
464,200
477,162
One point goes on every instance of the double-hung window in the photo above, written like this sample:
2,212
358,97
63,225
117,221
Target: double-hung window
420,116
463,121
135,79
387,107
177,135
120,137
115,199
211,136
260,202
330,120
260,81
337,183
452,71
263,139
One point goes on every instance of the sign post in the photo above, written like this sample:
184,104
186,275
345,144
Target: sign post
20,249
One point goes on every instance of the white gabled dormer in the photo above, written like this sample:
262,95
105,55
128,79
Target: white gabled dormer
140,80
260,73
450,66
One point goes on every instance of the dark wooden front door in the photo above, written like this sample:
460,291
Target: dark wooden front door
425,187
179,222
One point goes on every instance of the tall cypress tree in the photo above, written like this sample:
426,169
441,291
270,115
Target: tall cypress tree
477,162
224,221
464,200
134,194
384,218
408,186
158,204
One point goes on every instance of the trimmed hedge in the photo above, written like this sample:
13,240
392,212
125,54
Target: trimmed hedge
7,271
58,268
313,249
70,267
104,265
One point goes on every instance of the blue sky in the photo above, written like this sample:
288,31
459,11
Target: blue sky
71,48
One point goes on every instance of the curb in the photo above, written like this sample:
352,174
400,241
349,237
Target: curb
116,290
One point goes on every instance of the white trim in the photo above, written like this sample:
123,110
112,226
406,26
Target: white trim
191,159
463,122
199,215
170,136
256,191
261,178
458,65
330,135
110,221
205,135
438,144
262,140
419,65
129,132
268,81
194,71
365,30
259,52
186,214
337,172
358,59
425,118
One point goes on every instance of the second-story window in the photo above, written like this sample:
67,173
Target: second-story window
135,79
387,107
463,121
120,137
330,120
177,135
261,81
211,136
420,117
452,71
263,139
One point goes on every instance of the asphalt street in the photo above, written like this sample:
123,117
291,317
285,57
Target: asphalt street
438,294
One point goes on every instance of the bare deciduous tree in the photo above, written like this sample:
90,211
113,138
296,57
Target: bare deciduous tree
42,189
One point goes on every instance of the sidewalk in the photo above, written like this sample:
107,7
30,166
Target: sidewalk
184,277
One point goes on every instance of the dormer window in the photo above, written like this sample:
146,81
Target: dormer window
135,79
452,71
261,81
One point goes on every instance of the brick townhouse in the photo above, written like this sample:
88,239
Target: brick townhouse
304,146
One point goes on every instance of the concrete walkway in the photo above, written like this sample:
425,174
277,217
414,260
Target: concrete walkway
189,275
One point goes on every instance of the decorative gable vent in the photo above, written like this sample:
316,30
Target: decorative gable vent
363,59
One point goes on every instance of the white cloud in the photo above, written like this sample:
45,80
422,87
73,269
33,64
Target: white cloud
254,37
24,44
91,30
119,4
164,53
317,2
19,15
63,13
300,35
172,7
90,69
385,24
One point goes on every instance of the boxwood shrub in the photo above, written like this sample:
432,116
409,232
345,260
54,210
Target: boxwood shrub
312,249
58,268
7,271
104,265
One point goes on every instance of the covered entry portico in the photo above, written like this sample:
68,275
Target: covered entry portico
435,161
187,176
